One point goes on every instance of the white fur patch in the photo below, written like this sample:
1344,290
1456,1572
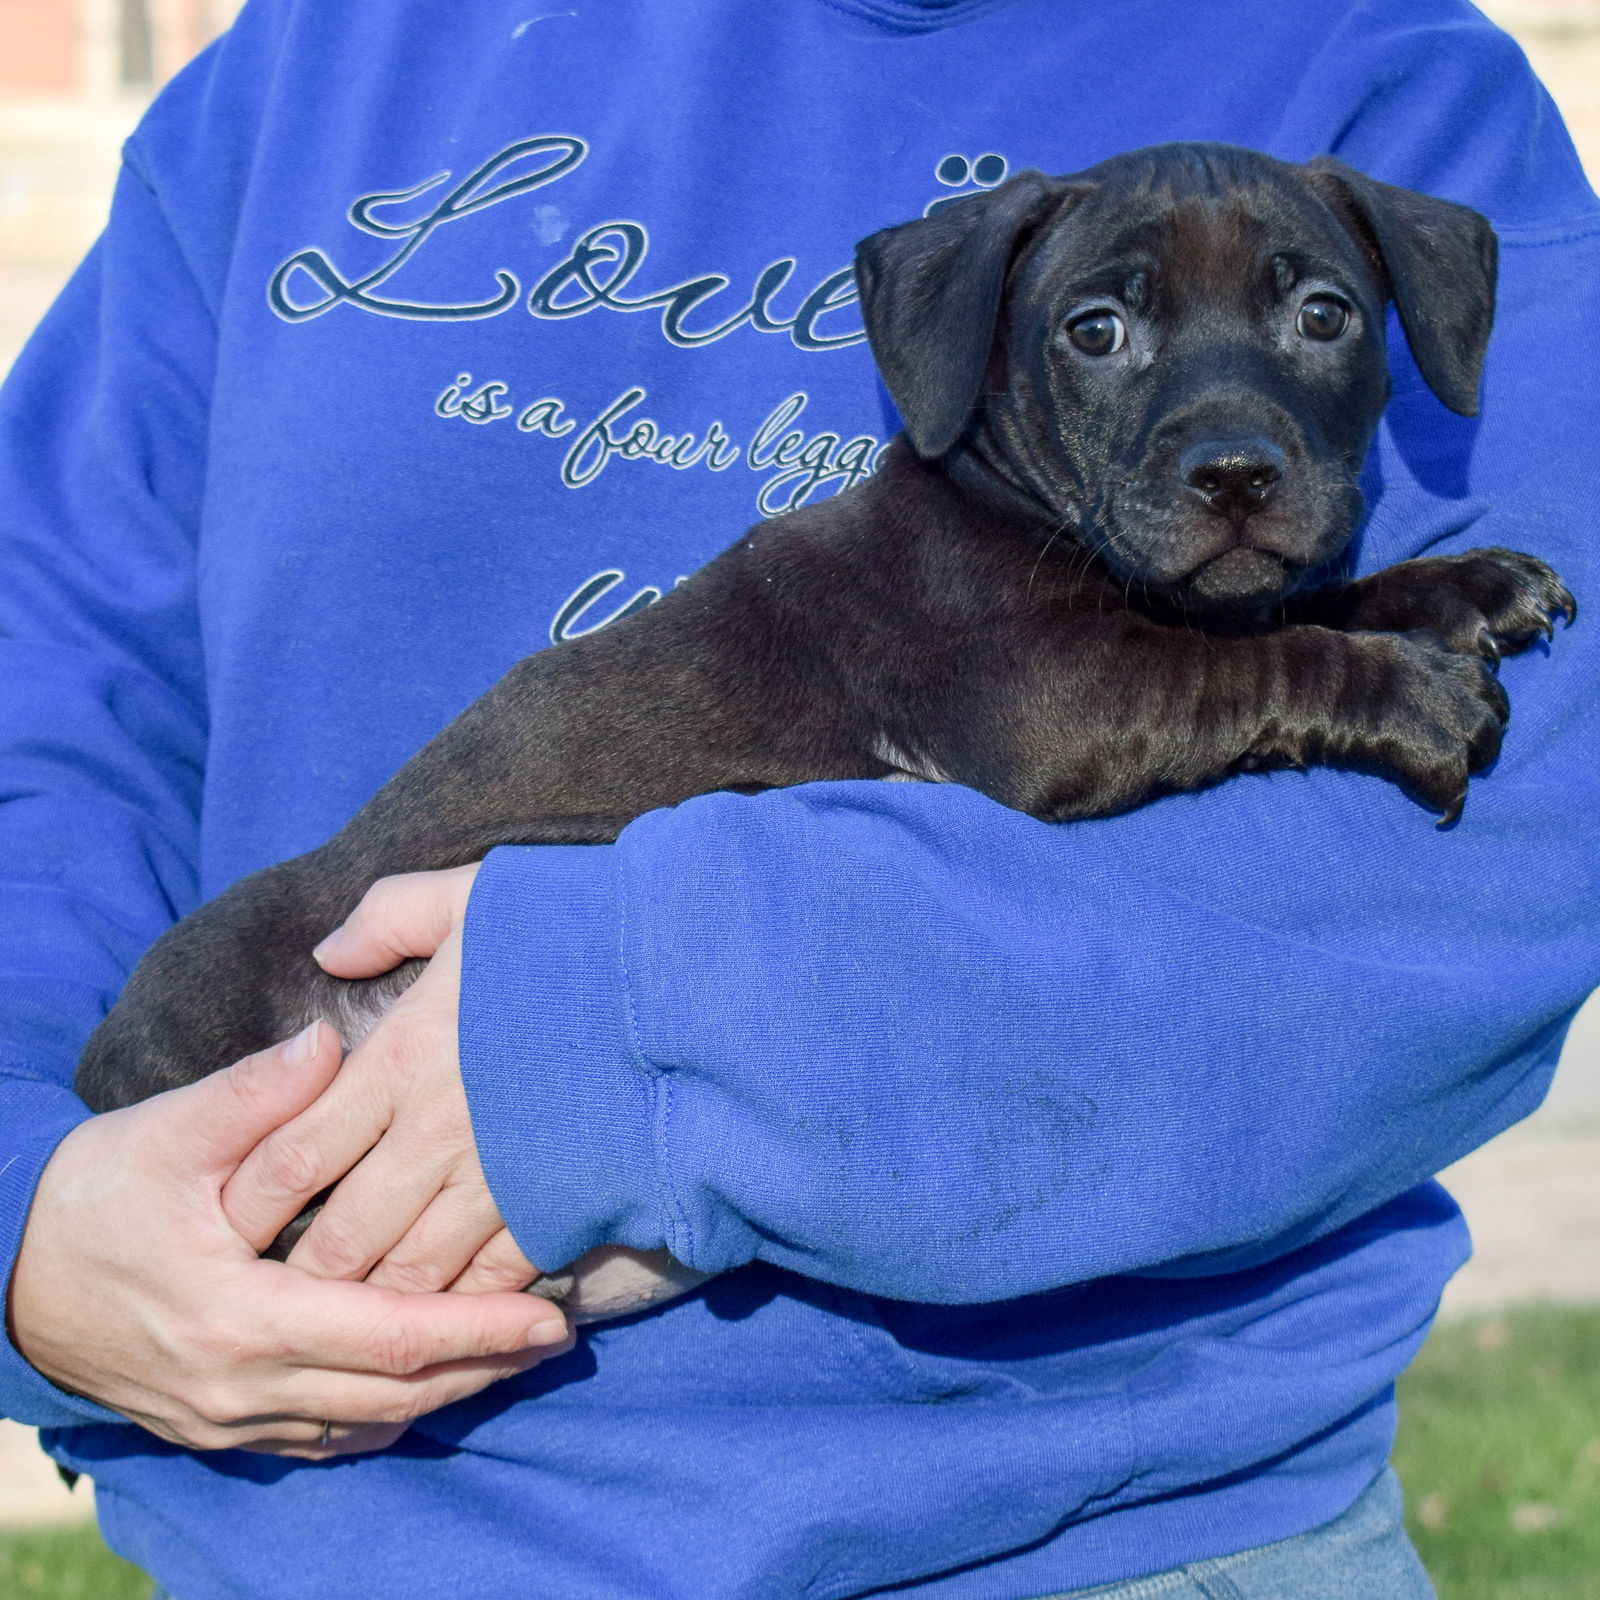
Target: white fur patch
909,767
356,1007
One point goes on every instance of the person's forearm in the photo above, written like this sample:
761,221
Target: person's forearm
911,1043
102,725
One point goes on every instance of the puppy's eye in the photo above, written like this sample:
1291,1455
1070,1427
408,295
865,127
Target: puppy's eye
1098,333
1322,317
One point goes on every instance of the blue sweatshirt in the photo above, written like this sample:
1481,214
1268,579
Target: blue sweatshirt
1069,1184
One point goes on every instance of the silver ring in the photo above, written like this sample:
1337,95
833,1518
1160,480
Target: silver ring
325,1427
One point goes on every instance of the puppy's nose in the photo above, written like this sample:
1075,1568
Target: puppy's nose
1235,477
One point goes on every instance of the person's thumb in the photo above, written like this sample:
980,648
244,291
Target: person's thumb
408,915
221,1119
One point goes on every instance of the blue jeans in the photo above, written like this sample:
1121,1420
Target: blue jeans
1363,1555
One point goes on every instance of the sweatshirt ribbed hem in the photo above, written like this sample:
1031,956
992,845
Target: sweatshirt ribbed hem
547,1058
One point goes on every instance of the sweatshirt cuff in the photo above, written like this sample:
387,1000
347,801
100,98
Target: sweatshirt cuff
35,1117
563,1106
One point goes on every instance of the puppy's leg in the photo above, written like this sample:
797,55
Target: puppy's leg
237,976
1131,709
1490,602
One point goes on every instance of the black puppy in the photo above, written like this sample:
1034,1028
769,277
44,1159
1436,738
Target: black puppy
1136,403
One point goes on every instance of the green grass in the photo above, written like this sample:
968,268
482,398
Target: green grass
1499,1450
65,1564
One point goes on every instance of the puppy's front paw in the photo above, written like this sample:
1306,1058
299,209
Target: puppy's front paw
1488,602
1517,597
1434,717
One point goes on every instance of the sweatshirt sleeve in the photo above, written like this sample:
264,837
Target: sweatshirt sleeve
897,1037
102,720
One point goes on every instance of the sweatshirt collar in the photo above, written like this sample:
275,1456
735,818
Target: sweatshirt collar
917,16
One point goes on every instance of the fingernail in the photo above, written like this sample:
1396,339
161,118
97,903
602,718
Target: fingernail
318,951
303,1047
552,1330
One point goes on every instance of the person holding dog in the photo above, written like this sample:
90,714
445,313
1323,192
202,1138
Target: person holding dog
1067,1185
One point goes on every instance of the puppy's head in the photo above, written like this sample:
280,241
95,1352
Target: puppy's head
1179,354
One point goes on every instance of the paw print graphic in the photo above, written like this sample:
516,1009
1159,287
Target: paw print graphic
957,172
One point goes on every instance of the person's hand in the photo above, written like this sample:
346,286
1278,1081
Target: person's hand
132,1289
412,1210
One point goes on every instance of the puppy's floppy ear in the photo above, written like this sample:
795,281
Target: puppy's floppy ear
1440,262
930,297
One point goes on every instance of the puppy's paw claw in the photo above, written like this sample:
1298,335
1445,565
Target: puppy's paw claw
1519,596
1440,717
